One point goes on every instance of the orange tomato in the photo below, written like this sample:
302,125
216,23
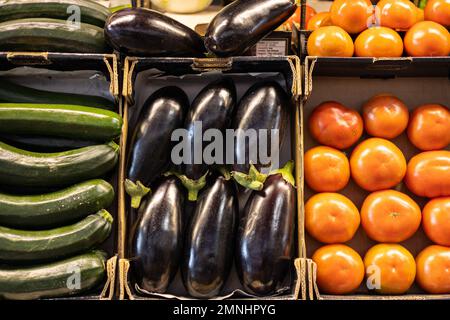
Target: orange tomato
436,220
428,174
353,16
379,42
297,16
433,269
438,11
377,164
340,269
335,125
390,216
326,169
321,19
385,116
429,128
396,14
330,42
331,218
426,39
390,269
420,15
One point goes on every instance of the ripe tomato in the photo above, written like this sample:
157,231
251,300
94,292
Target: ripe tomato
438,11
426,39
297,16
321,19
428,174
331,218
340,269
326,169
436,220
429,128
396,14
335,125
379,42
385,116
433,269
353,16
420,15
330,42
377,164
390,216
390,268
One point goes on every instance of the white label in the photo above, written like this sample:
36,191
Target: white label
271,48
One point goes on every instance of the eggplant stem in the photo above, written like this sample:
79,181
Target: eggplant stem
286,172
193,186
224,172
254,180
136,191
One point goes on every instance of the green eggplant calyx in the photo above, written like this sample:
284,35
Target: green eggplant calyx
193,186
254,180
106,215
136,191
224,172
286,172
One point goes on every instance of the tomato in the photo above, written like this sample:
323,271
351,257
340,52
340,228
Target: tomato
331,218
385,116
420,15
340,269
335,125
353,16
297,16
428,174
426,39
390,216
429,128
390,269
379,42
396,14
433,269
326,169
438,11
330,42
377,164
436,220
321,19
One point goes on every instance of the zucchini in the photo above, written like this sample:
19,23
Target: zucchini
56,208
31,246
90,12
30,169
55,279
14,93
43,143
39,34
65,121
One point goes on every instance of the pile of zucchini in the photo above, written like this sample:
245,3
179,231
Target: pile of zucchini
52,25
52,204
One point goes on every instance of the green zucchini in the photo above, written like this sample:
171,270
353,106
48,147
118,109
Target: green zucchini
43,143
56,208
14,93
30,169
90,12
65,121
31,246
39,34
57,279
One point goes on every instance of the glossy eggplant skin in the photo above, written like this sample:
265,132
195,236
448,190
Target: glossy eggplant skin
264,106
209,243
213,107
144,32
266,237
151,143
240,25
157,240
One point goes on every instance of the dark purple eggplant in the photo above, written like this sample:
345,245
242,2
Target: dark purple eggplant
209,244
151,143
240,25
157,240
145,32
265,238
265,106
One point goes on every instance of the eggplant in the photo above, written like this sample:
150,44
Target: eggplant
145,32
151,143
265,106
265,237
240,25
157,240
209,243
213,109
